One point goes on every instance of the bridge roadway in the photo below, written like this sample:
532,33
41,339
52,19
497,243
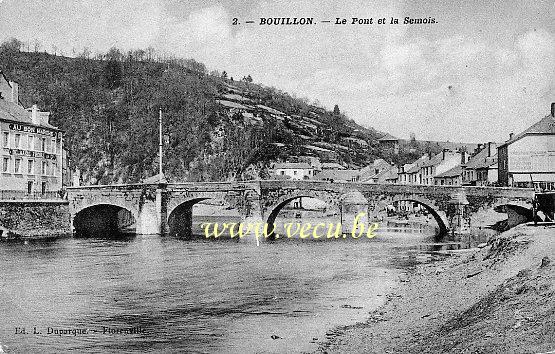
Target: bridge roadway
159,208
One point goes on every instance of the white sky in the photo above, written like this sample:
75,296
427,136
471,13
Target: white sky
485,70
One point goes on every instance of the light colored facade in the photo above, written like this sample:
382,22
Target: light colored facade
452,177
407,172
528,159
294,170
438,164
31,148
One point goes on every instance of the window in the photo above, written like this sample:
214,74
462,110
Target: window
17,141
43,189
29,187
54,169
43,144
17,168
53,146
31,142
30,165
5,164
44,167
6,139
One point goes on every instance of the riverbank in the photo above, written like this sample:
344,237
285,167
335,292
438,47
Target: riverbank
498,299
34,219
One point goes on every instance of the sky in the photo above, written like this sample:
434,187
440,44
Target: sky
483,70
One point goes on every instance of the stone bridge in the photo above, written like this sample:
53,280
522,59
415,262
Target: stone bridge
160,208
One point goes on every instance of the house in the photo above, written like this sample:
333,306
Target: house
389,142
451,177
481,168
438,164
406,173
32,149
375,172
294,170
414,175
528,159
391,176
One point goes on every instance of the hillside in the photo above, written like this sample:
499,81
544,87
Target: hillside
215,128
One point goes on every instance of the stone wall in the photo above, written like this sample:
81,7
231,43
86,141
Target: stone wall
35,219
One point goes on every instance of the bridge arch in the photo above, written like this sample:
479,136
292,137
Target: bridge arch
273,209
104,219
514,212
341,204
180,216
439,215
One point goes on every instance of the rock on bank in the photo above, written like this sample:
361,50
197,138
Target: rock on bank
499,299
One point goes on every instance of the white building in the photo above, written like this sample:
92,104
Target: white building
294,170
31,148
528,159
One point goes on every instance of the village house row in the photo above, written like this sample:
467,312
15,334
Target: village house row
524,160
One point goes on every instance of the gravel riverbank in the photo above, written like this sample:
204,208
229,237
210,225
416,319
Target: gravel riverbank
498,299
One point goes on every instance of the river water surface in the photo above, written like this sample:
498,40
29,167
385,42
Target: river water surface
194,296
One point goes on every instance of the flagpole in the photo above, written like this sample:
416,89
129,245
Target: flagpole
160,146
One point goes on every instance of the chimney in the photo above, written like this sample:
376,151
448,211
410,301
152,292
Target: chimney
35,115
444,152
511,136
463,157
553,109
15,92
44,117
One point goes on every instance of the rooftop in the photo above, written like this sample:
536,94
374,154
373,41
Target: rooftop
15,113
482,160
292,165
544,126
454,172
332,166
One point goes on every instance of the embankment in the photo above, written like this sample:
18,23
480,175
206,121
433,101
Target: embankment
499,299
34,219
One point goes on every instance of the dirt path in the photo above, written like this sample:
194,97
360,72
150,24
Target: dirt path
500,299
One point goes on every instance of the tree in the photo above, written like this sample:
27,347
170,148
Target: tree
336,110
12,45
112,74
9,50
224,74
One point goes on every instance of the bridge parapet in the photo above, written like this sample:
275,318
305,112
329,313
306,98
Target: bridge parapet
453,207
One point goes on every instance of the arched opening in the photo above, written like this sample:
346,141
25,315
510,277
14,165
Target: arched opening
516,214
301,208
410,209
104,220
185,220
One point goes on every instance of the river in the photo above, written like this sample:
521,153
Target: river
148,293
